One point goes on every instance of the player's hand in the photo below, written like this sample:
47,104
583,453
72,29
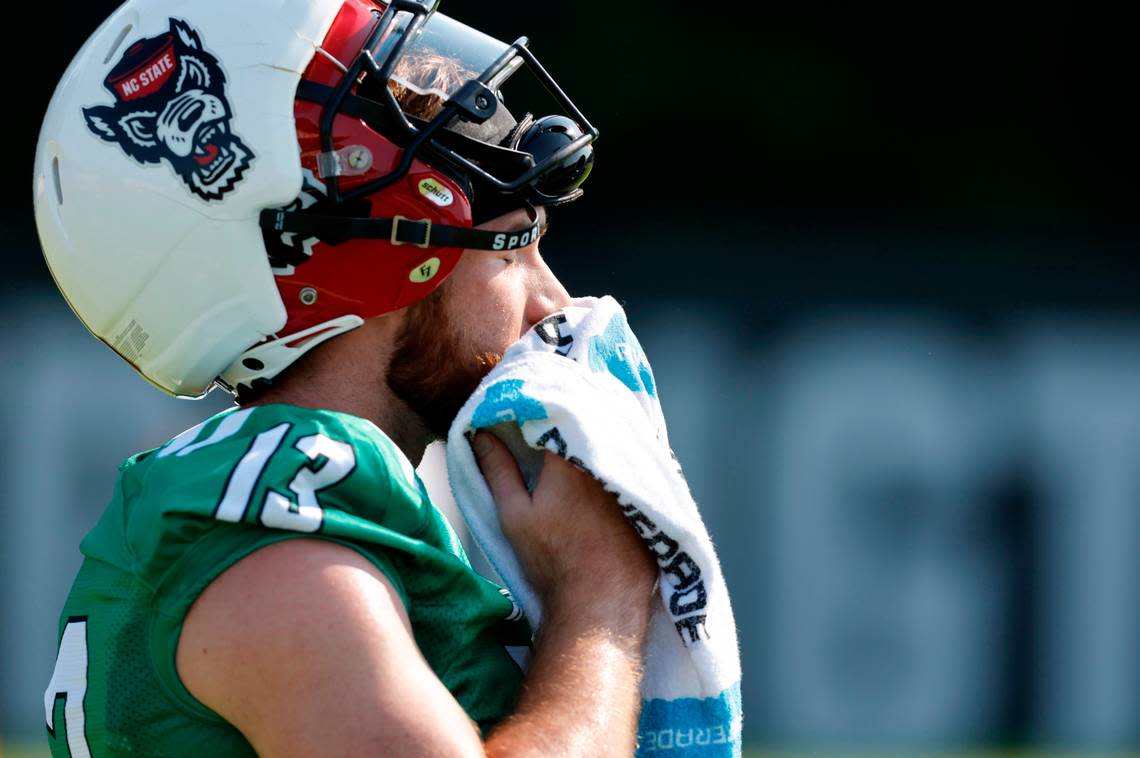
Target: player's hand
576,547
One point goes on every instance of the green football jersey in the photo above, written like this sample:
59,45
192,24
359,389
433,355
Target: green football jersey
185,512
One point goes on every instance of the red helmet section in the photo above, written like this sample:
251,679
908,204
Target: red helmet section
367,277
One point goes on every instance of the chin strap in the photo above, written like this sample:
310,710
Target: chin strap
398,231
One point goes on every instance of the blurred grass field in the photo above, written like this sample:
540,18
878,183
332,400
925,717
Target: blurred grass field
39,750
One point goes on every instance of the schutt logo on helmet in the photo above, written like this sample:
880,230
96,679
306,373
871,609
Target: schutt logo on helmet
170,104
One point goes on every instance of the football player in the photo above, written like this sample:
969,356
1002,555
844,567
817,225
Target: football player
326,208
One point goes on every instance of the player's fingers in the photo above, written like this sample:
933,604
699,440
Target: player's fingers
500,470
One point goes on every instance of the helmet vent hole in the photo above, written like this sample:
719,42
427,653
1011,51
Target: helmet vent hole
252,364
118,41
55,180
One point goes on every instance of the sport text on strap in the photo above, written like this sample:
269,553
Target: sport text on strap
397,230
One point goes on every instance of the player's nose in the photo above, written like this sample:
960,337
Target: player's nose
546,294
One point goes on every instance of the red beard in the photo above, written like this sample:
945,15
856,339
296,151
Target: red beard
433,370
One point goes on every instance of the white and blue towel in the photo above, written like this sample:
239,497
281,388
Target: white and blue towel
578,385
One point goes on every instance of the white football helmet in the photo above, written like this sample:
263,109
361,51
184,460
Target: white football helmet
199,160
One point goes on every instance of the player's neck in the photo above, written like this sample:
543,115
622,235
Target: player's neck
347,375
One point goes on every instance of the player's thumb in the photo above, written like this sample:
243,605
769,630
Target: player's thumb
499,469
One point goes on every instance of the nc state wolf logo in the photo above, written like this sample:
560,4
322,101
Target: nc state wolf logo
170,104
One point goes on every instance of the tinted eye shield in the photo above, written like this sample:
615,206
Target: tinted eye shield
540,162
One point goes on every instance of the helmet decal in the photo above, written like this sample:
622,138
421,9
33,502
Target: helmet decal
170,105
